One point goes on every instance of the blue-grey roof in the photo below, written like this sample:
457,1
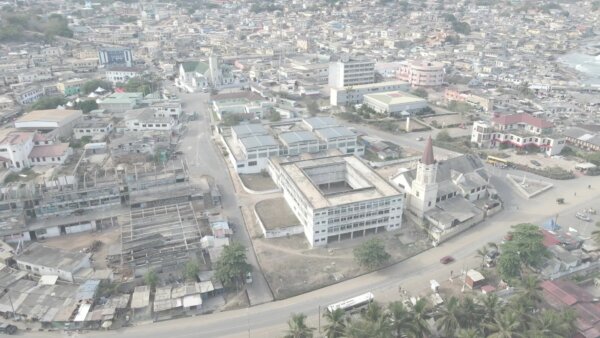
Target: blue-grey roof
87,290
334,132
321,122
297,136
252,142
245,130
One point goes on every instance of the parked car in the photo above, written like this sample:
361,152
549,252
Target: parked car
582,216
249,278
419,138
491,205
447,260
8,329
535,163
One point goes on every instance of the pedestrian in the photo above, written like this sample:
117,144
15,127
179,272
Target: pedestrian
575,194
590,186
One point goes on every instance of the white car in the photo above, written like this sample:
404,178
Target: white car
582,216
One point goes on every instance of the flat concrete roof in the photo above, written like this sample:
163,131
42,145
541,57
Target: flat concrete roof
378,186
375,85
293,137
252,142
334,132
394,97
50,115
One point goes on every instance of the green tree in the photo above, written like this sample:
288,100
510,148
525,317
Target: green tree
448,317
371,254
400,319
297,327
505,325
232,266
443,136
48,102
469,313
530,291
420,92
145,85
274,116
490,307
87,106
482,253
525,248
313,107
336,323
92,85
191,271
151,278
468,333
421,313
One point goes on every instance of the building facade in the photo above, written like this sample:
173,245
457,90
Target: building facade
422,74
519,131
355,94
115,57
337,198
351,72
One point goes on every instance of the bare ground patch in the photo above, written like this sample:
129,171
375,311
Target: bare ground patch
292,267
258,182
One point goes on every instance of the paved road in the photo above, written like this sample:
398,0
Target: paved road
269,320
204,158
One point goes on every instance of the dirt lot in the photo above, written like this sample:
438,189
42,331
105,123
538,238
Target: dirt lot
445,120
556,161
78,242
318,267
275,213
258,182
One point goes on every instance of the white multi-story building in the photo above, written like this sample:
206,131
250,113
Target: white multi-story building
518,130
147,119
122,74
394,103
19,150
422,74
355,94
351,72
337,198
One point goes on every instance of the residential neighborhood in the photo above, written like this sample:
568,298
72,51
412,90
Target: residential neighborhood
317,168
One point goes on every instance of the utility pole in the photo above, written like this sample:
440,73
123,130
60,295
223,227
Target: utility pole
11,304
319,318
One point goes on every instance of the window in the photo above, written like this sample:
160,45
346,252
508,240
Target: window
252,163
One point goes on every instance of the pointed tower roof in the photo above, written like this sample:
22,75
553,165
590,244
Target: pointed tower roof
428,152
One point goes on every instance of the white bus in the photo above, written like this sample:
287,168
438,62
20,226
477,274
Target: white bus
352,303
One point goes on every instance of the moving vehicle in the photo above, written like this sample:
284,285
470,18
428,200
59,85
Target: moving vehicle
536,163
560,200
583,216
498,162
352,304
447,260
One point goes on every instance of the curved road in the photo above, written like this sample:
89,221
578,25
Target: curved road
413,274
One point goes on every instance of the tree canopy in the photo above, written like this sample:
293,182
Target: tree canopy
371,254
48,102
232,266
526,248
92,85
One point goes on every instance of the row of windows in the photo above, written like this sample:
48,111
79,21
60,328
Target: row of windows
358,224
357,216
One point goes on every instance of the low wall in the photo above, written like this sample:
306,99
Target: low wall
279,232
524,192
398,161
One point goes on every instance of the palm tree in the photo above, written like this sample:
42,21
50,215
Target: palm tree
361,328
482,253
491,306
470,313
421,312
530,292
336,325
448,315
468,333
297,327
400,319
505,325
546,324
379,319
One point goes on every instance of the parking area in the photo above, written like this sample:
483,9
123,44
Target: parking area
539,160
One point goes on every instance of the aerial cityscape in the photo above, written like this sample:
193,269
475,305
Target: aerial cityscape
298,169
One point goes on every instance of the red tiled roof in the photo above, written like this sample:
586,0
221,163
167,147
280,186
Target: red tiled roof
522,118
16,137
555,291
52,150
549,239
